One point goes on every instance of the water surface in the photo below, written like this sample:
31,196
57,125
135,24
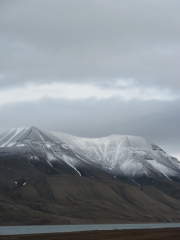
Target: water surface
13,230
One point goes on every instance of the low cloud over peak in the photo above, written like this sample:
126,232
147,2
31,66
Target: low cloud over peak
110,51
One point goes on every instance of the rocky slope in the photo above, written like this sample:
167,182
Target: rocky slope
49,178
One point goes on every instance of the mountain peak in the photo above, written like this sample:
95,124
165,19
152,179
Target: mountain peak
117,154
9,138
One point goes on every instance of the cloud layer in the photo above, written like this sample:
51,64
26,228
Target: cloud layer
109,66
67,40
156,121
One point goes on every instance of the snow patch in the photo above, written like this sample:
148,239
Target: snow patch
20,145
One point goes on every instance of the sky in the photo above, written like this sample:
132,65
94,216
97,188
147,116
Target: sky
92,68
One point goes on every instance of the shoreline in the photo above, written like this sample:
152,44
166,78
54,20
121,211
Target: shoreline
126,234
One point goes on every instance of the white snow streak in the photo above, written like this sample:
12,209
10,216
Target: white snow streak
129,155
17,131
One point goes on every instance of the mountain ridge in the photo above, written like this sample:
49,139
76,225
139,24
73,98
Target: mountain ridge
127,155
56,178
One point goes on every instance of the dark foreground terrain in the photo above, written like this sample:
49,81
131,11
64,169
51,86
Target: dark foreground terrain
151,234
34,195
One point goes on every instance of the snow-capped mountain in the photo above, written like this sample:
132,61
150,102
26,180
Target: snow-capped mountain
118,155
56,178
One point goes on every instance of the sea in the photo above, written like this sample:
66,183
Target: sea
16,230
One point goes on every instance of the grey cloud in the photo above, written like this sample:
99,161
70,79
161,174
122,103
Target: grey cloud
156,121
93,41
99,41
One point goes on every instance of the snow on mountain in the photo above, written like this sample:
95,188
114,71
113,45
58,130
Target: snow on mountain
131,156
17,135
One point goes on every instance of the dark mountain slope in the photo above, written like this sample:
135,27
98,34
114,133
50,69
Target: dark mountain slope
43,180
63,198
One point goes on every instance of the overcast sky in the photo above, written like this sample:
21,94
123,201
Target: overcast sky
92,68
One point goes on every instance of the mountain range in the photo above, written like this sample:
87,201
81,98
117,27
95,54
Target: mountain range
56,178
